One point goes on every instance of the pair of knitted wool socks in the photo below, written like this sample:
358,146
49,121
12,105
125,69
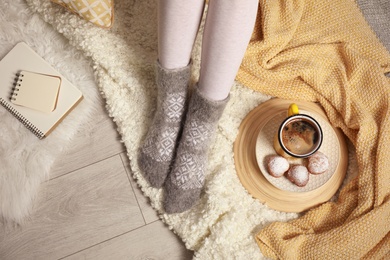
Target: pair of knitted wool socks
174,153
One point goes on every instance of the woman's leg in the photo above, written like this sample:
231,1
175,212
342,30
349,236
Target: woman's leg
229,26
228,29
178,23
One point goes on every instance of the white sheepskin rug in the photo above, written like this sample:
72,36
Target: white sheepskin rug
25,161
222,225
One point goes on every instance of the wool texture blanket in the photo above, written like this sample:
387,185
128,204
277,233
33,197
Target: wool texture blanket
326,52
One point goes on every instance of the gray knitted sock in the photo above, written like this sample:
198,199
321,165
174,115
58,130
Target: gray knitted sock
157,152
185,182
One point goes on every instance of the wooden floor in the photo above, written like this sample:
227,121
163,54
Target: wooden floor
91,208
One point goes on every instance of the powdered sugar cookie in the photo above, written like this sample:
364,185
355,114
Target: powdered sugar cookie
277,165
318,163
299,175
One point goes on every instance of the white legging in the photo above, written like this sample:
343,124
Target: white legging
228,28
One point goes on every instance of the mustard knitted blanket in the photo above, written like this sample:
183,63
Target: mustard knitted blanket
325,52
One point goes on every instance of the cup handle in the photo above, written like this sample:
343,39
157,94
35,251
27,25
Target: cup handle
293,109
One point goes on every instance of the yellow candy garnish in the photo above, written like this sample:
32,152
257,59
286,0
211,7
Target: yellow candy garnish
293,109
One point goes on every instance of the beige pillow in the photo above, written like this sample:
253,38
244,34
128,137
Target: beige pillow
98,12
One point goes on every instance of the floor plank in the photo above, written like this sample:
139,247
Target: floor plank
95,143
153,241
76,211
148,212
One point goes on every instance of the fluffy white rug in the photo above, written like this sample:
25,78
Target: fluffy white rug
25,160
222,224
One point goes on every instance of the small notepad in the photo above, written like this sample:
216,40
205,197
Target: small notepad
36,91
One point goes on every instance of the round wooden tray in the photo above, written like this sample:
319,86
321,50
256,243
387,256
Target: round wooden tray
276,193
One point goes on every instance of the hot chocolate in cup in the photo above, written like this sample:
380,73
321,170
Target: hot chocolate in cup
298,136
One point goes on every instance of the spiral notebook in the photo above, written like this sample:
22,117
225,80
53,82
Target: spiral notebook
23,58
36,91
